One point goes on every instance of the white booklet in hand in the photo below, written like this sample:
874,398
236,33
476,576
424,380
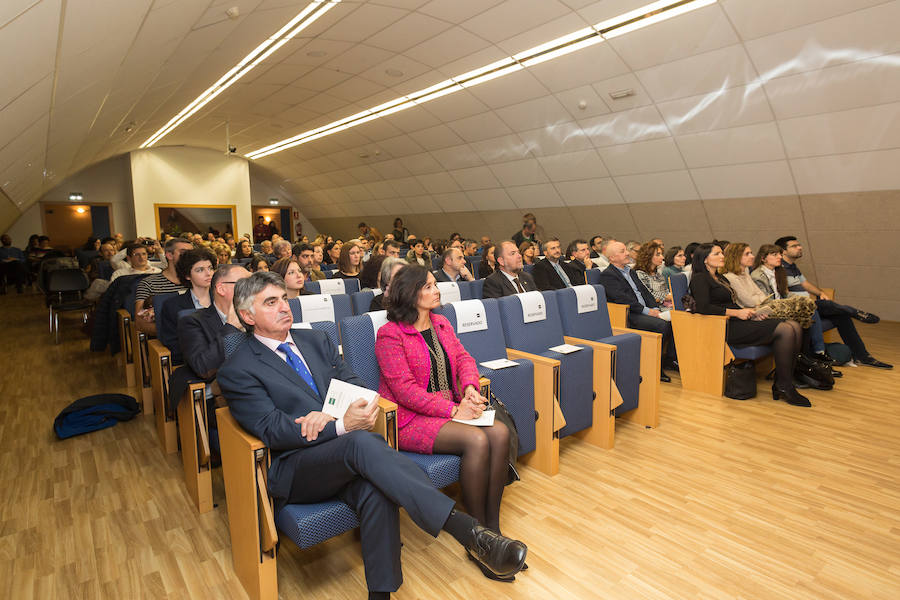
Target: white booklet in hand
485,420
342,394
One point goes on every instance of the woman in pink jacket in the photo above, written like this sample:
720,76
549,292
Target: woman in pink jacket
431,377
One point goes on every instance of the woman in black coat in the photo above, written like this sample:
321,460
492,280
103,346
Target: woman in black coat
712,295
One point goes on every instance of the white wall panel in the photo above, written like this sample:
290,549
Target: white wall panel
744,181
848,172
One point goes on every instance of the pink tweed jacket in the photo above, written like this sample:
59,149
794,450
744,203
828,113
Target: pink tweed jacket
406,365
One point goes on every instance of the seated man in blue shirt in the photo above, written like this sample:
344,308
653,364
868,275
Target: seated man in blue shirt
623,287
12,265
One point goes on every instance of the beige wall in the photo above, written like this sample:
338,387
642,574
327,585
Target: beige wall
180,175
851,239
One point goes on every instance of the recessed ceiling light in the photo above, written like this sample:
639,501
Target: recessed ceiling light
304,19
577,40
393,72
619,94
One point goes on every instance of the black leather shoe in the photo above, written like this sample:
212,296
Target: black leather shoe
500,555
789,395
865,317
488,573
665,378
870,361
671,365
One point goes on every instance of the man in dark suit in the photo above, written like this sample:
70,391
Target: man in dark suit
623,287
552,273
508,278
453,267
274,384
200,334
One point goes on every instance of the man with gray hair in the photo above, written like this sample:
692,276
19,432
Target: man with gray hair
389,266
282,249
274,384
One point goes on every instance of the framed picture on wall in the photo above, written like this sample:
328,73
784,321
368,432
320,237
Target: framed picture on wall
176,219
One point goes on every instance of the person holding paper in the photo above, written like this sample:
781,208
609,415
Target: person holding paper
274,385
434,381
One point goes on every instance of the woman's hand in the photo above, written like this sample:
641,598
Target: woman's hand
744,313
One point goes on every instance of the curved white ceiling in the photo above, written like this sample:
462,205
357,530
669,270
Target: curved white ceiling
741,98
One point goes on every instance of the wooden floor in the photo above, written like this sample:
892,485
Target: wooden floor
726,499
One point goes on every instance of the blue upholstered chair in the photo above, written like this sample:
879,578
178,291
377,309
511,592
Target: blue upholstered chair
351,286
340,304
584,316
359,353
476,289
533,340
361,301
253,524
514,386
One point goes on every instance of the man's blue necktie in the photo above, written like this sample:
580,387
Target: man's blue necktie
298,366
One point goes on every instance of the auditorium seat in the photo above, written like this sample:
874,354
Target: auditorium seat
532,340
161,367
332,286
322,307
636,367
361,301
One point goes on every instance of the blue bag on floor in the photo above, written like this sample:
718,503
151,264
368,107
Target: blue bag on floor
94,412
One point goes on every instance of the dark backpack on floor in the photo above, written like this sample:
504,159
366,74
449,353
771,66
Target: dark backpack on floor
94,412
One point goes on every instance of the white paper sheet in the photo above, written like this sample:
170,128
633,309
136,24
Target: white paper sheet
585,298
500,363
332,286
566,348
485,420
449,291
665,315
379,319
377,291
470,316
316,307
601,264
341,395
534,307
301,326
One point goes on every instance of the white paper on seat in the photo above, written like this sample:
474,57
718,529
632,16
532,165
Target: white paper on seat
341,395
379,319
316,307
332,286
485,420
566,348
301,326
500,363
449,291
534,307
585,298
470,316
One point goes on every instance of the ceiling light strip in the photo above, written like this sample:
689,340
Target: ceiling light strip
304,19
627,22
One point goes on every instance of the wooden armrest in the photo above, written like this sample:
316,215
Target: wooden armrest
268,533
590,343
203,452
247,441
618,314
386,422
621,330
536,359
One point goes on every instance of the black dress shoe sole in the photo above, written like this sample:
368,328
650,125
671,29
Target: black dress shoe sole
487,572
876,364
665,378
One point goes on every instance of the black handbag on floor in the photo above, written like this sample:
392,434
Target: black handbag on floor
740,380
502,414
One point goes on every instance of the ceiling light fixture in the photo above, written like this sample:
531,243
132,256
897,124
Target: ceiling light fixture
577,40
304,19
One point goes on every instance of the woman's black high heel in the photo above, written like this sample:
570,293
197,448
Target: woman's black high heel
789,395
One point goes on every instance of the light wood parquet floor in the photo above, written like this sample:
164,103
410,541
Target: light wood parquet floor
726,499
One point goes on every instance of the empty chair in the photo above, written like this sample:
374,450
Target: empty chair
332,286
65,293
584,316
482,337
359,333
531,326
361,301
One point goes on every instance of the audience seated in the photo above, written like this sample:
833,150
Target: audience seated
336,458
633,248
281,249
332,254
13,269
488,263
596,244
256,263
578,254
529,252
508,278
368,277
623,286
164,282
391,248
435,382
526,234
195,270
712,296
551,273
136,264
453,266
418,254
389,267
839,314
647,266
674,262
292,274
244,250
